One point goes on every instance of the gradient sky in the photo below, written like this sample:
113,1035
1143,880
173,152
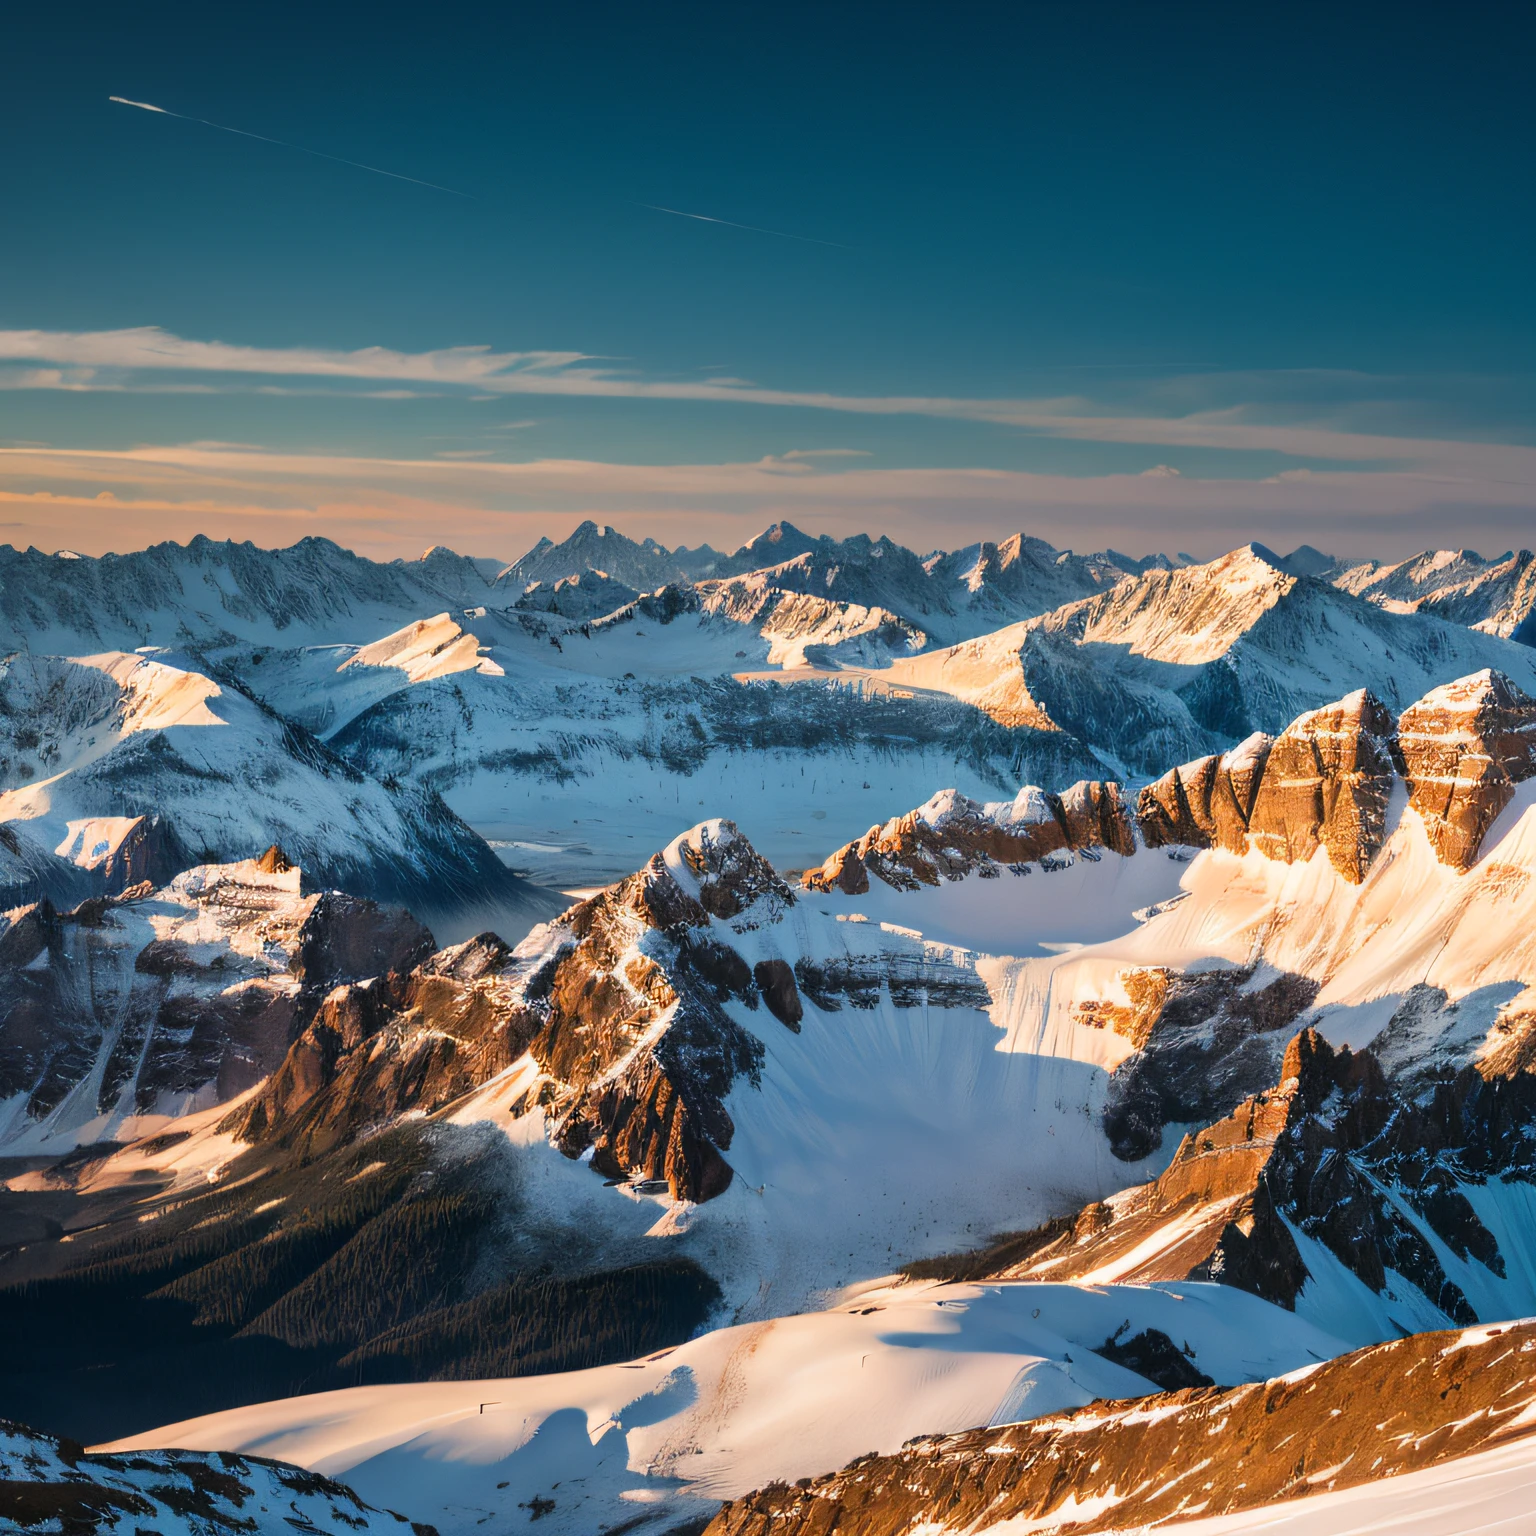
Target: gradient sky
1279,257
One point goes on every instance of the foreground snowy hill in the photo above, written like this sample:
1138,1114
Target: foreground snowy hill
1357,1422
662,1440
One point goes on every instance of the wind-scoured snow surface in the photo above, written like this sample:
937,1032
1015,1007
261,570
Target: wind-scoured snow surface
672,1435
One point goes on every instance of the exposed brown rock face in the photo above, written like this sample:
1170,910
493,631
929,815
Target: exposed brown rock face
617,1019
346,938
1146,989
952,836
1216,1178
1327,780
1464,748
1372,1414
662,1116
1376,1176
1205,1041
730,871
645,952
196,988
376,1049
1207,803
1095,816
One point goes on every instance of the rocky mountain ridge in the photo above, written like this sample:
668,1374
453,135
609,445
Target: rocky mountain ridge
1173,664
1497,596
1325,781
608,1023
51,1484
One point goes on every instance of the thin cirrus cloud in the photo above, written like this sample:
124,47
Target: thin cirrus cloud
96,499
148,358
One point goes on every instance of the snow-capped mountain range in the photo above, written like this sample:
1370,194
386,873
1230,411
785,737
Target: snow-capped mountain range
1118,963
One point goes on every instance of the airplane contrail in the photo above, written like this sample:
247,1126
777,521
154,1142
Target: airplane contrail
756,229
145,106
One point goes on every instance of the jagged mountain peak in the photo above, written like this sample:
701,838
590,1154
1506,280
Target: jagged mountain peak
643,566
778,542
1497,596
716,864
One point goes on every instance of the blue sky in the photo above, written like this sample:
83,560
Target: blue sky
1024,256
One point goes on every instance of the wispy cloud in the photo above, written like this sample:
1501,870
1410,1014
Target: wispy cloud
153,359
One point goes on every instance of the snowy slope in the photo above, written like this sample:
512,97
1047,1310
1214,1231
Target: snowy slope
1055,905
130,735
1497,596
669,1436
1175,663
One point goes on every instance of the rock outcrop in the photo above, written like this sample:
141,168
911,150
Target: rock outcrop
1464,747
1376,1177
1326,781
1394,1408
952,836
1207,803
161,1000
